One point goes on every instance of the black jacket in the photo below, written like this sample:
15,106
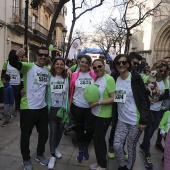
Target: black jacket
140,97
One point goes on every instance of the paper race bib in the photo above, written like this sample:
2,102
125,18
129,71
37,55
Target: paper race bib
58,88
42,79
13,76
82,83
120,96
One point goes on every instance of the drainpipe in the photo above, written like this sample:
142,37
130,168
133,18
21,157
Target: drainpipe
5,34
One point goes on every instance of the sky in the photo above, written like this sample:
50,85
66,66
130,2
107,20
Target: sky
88,21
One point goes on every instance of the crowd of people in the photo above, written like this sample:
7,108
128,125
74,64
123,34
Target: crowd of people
134,98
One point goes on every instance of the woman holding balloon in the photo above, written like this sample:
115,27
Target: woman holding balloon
80,108
102,112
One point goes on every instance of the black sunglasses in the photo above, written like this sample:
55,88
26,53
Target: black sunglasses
163,64
161,71
102,57
95,67
45,55
135,63
118,63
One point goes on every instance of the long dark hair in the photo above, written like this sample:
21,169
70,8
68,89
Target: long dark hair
52,70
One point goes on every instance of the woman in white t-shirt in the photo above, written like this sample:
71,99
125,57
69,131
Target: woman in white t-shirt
162,93
80,109
102,113
57,93
132,105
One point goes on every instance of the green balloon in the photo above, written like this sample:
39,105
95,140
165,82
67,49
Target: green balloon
51,48
91,93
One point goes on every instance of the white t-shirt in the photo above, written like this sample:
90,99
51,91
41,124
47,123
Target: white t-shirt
83,80
106,85
14,74
36,80
107,69
58,91
127,110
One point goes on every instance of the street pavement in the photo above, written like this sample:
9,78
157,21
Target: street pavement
10,156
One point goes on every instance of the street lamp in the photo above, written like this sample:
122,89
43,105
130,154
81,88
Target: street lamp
64,32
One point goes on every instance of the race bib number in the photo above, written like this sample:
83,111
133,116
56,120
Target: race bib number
120,96
82,83
42,78
13,76
58,88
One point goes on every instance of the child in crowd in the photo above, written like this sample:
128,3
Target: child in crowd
8,99
164,127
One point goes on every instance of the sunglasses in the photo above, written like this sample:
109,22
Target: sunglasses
135,63
45,55
162,64
95,67
161,71
102,57
118,63
146,70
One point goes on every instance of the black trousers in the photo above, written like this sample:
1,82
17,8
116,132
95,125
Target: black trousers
28,119
17,96
84,121
100,129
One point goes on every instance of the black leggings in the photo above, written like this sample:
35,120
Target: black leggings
84,121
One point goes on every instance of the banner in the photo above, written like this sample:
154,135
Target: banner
73,49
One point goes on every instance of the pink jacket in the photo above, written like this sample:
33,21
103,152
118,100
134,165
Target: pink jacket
73,79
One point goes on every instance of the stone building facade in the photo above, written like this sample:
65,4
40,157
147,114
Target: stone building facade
12,20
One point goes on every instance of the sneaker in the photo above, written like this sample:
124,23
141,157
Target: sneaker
80,157
6,123
111,153
94,166
148,163
16,113
86,154
51,163
42,160
100,168
27,165
57,154
159,146
141,149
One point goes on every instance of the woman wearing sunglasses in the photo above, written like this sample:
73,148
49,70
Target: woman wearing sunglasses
102,113
156,106
57,98
132,106
145,72
80,109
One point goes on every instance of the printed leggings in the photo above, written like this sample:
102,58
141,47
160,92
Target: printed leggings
131,133
56,129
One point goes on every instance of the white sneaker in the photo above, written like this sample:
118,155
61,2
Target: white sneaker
57,154
51,163
100,168
94,166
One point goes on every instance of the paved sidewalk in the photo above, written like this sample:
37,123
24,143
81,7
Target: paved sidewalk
10,157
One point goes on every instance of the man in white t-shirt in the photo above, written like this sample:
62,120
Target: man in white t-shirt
34,112
107,68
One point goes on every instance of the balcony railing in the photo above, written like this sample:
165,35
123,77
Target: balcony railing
38,28
60,21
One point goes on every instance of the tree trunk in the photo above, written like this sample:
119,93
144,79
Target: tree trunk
53,22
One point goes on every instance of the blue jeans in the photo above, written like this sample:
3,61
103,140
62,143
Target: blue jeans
149,131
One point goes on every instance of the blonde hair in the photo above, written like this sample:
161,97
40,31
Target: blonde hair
159,64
